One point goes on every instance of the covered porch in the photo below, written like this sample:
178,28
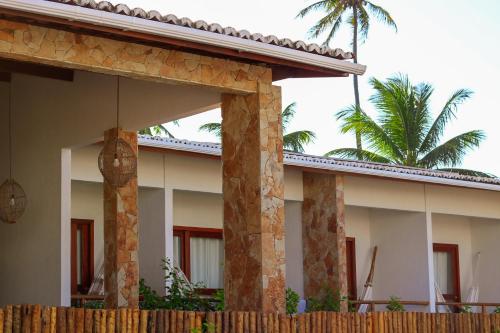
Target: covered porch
66,78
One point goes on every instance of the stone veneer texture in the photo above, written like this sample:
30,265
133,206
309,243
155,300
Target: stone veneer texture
121,240
323,232
26,42
253,190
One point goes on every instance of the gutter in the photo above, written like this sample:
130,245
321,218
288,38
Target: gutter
123,22
312,162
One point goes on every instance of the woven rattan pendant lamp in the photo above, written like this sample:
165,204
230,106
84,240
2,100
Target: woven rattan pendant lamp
12,197
117,161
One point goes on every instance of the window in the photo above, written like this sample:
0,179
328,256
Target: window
199,252
82,255
351,267
446,270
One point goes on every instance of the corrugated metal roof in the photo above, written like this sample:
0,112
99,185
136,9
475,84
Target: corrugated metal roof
334,164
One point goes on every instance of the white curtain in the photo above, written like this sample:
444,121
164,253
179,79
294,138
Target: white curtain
177,252
443,274
207,258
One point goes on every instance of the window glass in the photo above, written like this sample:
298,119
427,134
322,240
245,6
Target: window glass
207,259
177,252
443,272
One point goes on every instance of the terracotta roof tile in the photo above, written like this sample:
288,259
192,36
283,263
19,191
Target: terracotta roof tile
154,15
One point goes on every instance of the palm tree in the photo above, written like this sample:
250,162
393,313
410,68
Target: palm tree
294,141
405,133
356,13
158,130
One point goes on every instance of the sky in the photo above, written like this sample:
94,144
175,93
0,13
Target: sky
451,44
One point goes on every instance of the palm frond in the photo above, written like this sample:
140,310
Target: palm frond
333,18
296,141
354,119
382,15
358,154
214,128
363,23
452,151
323,4
447,113
287,114
468,172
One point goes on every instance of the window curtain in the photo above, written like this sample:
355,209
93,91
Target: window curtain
177,252
207,259
442,272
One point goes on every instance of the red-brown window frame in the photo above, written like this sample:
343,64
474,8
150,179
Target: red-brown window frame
351,268
88,261
453,250
185,234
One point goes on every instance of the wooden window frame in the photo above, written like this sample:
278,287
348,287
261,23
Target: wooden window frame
453,249
185,234
90,260
351,266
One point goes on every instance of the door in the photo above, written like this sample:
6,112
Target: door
447,271
82,255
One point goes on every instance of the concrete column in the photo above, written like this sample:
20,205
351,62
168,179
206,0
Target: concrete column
323,234
253,191
121,267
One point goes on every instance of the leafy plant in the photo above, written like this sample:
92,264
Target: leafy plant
497,309
219,300
292,301
466,309
180,294
94,305
331,301
395,305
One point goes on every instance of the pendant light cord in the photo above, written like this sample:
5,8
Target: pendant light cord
10,129
117,101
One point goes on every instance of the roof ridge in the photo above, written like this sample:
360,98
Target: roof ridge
154,15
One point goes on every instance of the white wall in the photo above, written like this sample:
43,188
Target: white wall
152,237
402,263
198,209
357,225
50,115
293,246
454,229
86,203
485,239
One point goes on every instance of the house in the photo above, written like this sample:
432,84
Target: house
428,225
79,72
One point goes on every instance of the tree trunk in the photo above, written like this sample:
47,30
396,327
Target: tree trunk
355,77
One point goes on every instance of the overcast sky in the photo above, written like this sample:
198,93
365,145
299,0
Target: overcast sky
451,44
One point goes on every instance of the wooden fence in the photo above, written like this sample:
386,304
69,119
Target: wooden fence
39,319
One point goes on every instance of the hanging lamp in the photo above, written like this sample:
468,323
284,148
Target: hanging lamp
117,160
12,196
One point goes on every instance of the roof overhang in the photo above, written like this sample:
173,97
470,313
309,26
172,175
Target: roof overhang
285,62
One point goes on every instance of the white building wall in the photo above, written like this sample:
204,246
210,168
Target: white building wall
86,203
455,229
152,237
358,225
485,239
402,262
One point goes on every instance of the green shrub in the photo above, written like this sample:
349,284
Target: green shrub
466,309
395,305
497,310
292,301
331,301
219,300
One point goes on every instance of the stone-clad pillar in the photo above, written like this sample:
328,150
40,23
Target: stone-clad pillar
323,233
121,267
253,191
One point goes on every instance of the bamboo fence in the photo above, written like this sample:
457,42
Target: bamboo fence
44,319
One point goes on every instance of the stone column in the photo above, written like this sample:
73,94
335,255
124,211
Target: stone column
253,191
323,233
121,268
